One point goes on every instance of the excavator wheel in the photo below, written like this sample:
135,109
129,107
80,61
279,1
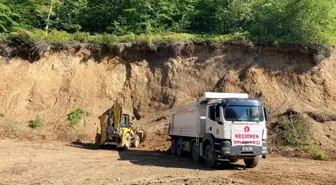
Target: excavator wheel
136,141
127,141
98,138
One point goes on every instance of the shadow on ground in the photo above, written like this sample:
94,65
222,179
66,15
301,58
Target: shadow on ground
165,159
158,158
88,146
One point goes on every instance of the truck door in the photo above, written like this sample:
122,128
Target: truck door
214,120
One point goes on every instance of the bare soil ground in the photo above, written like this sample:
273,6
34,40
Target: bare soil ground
24,162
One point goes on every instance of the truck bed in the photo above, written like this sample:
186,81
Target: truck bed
186,120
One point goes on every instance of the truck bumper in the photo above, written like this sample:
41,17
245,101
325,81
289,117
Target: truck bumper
242,151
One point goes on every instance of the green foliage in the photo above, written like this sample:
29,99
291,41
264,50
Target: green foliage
7,18
113,21
68,15
295,131
316,152
36,123
75,116
81,37
61,38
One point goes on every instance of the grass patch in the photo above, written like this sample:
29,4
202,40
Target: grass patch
61,38
75,116
36,123
316,152
11,129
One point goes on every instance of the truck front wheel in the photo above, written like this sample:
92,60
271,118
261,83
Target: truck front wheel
251,163
209,157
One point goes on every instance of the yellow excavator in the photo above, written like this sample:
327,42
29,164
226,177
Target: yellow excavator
116,129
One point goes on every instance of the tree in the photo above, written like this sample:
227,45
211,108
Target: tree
7,18
68,15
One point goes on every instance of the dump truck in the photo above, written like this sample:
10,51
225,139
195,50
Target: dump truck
116,129
220,127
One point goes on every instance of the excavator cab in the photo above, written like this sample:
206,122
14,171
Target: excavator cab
116,129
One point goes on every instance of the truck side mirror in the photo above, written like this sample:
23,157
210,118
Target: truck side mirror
266,114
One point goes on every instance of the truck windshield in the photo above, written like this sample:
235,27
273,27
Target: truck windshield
244,113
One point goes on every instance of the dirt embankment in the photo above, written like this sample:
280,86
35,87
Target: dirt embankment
148,80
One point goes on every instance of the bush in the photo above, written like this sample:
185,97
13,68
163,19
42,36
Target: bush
75,116
295,131
61,38
81,37
104,39
36,123
316,152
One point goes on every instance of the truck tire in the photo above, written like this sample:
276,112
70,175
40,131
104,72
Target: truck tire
251,163
173,146
209,158
195,152
179,147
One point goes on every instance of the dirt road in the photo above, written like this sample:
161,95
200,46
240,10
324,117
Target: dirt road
66,163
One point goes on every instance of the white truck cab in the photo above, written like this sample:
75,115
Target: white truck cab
220,126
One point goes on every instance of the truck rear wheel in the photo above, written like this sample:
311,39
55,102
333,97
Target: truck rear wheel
195,152
179,147
251,163
209,157
173,147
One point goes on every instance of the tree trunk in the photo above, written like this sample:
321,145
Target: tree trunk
48,18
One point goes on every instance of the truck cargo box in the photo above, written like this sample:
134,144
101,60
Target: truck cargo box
190,120
185,120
